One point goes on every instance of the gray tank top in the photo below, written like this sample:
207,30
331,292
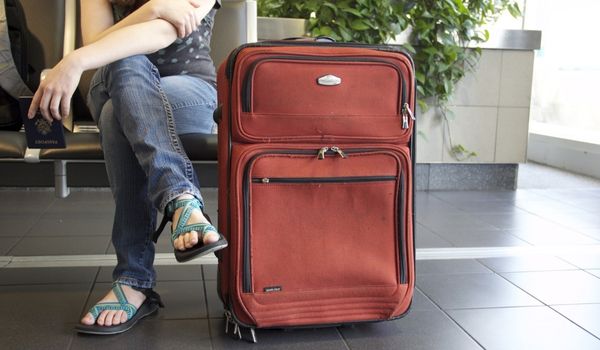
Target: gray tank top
190,55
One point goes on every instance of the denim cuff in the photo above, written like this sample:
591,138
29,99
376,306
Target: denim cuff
135,283
174,195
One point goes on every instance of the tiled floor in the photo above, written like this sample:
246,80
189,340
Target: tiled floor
529,301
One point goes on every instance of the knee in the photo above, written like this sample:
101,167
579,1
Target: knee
128,68
106,121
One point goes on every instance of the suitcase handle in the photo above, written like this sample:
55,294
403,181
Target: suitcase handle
319,39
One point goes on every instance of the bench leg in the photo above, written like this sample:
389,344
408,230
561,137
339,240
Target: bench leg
61,190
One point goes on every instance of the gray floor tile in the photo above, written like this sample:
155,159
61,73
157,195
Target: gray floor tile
40,316
476,237
152,333
592,232
61,246
183,299
473,291
47,275
548,208
558,287
432,205
450,267
214,304
594,272
425,238
586,316
527,263
521,220
590,204
6,243
88,195
17,225
88,208
523,328
317,339
25,202
71,226
577,220
421,302
474,196
427,330
489,208
553,236
583,261
437,223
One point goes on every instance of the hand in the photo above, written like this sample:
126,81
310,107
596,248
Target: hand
53,96
180,13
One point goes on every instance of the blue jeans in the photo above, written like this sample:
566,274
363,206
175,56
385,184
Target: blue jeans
140,116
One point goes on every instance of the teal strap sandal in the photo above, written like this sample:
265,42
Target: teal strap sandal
200,249
148,307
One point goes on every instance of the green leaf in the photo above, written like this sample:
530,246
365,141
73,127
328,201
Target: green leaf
353,11
359,24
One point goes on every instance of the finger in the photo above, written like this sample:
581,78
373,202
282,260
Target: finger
55,107
65,106
44,105
35,103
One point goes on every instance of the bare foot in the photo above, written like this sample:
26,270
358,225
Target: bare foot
190,239
114,317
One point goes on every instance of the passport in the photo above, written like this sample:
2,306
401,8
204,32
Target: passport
39,132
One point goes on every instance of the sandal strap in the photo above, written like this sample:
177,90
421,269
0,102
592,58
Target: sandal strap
170,210
202,228
121,304
129,309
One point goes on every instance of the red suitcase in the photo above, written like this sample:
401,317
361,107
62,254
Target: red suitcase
316,158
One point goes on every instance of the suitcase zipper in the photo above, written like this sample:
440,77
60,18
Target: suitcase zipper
247,90
247,270
315,180
386,48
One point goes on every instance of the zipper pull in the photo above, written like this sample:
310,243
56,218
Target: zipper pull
321,154
338,151
228,320
406,112
265,180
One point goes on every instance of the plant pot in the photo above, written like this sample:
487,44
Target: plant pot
275,28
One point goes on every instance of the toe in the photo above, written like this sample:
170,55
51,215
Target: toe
123,317
118,318
88,319
108,320
210,237
102,318
191,239
177,243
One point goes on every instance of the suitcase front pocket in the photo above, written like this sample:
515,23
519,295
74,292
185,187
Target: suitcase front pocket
318,232
311,98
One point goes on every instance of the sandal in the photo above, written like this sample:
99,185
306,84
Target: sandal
149,306
199,249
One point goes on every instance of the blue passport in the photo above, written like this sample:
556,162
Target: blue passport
39,132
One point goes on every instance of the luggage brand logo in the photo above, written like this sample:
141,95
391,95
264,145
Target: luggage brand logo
329,80
272,289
